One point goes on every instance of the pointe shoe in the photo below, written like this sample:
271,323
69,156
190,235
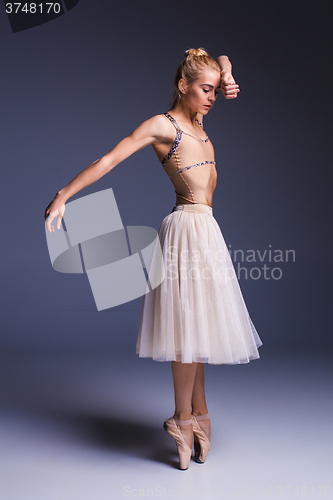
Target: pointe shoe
204,443
171,426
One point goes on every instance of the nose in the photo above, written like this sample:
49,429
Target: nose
212,97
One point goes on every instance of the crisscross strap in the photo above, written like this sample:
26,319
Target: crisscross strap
173,121
183,422
192,166
202,417
177,140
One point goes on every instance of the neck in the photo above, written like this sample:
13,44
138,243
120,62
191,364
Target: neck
185,112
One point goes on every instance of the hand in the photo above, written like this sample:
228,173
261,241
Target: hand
54,209
229,87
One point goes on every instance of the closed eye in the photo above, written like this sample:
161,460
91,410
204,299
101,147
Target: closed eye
208,90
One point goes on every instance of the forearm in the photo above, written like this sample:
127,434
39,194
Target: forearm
224,63
138,139
88,176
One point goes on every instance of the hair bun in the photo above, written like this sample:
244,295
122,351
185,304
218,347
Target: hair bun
195,63
195,53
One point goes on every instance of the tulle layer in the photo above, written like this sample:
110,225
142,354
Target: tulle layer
197,313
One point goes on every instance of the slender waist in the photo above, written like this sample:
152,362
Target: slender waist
194,208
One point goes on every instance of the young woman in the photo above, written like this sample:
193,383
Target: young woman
197,314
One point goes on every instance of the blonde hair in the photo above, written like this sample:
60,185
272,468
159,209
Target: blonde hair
195,62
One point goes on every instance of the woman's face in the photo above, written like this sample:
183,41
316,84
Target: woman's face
201,95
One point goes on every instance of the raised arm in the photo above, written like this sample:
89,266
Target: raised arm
149,132
229,87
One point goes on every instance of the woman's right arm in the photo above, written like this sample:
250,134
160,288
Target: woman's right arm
149,132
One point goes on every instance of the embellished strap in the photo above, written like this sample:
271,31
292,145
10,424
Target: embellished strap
177,140
196,165
173,121
197,138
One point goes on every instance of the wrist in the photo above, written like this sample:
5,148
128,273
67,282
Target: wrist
224,63
61,195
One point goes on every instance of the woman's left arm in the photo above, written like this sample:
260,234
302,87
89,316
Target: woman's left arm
229,87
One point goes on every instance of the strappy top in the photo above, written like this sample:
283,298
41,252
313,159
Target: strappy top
201,185
175,145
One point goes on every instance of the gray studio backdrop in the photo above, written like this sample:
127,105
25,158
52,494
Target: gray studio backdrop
74,87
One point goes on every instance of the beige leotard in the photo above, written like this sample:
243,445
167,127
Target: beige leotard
195,185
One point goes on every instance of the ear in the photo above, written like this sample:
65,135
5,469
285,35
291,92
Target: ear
182,86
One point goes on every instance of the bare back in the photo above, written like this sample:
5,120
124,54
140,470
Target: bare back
190,164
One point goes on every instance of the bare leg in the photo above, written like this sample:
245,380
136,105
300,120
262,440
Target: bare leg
199,406
183,381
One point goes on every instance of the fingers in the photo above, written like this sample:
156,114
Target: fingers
47,209
229,86
50,216
54,214
49,226
49,220
231,95
59,221
230,90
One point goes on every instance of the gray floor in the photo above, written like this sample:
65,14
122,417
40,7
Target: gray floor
89,426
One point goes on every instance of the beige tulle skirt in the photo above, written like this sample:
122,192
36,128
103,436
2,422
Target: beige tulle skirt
197,313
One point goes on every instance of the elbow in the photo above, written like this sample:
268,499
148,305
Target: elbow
105,164
226,58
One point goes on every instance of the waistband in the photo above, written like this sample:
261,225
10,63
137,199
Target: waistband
194,208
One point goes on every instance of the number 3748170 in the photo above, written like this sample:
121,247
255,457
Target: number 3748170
33,8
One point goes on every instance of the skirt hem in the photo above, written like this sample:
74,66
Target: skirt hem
200,359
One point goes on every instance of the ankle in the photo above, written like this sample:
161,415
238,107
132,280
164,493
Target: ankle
199,412
182,416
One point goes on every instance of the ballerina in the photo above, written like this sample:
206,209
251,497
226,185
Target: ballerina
197,314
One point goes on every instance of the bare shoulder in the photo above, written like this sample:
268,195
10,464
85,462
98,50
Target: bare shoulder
159,127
